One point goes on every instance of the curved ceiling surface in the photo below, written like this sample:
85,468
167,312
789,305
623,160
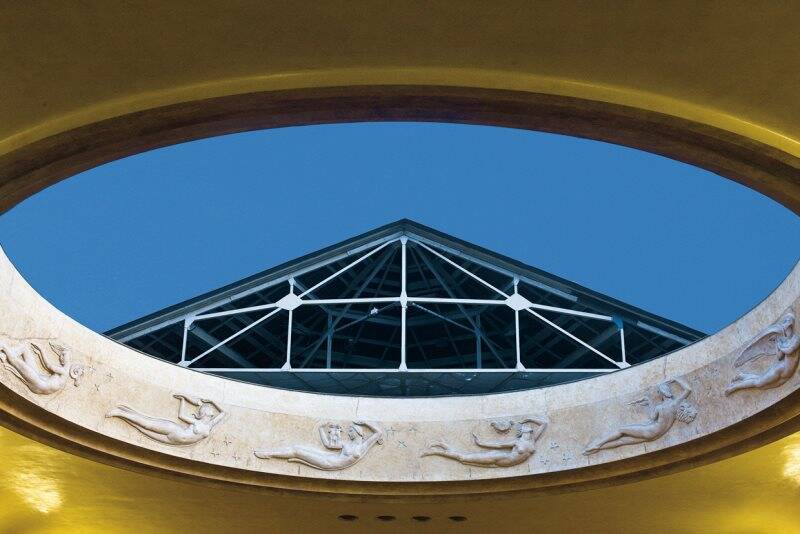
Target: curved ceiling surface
734,67
45,490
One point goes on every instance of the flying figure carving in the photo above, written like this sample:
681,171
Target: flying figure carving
661,418
27,362
195,426
503,453
778,340
340,454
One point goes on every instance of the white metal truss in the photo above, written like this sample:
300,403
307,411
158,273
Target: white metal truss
297,296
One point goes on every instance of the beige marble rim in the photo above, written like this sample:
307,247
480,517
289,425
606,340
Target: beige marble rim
85,398
261,417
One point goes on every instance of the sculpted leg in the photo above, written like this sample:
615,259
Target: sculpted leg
283,454
446,454
624,440
152,424
30,358
770,378
488,458
13,353
154,435
741,384
440,448
16,363
312,457
627,435
484,458
600,443
744,376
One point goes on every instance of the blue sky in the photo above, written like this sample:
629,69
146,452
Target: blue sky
136,235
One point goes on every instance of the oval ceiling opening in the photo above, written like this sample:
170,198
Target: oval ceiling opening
402,259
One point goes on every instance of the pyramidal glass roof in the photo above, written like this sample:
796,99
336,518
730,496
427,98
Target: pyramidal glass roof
404,310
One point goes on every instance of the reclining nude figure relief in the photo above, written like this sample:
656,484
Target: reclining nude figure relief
661,417
193,427
26,361
506,453
779,340
341,454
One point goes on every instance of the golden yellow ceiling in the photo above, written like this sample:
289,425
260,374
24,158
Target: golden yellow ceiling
734,65
46,490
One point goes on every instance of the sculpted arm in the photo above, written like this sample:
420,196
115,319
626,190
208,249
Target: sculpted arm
323,437
372,426
182,409
793,345
377,433
218,418
686,389
191,400
221,414
212,403
541,425
46,364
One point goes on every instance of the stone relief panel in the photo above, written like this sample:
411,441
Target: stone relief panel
503,453
27,361
43,367
340,453
193,427
661,416
780,341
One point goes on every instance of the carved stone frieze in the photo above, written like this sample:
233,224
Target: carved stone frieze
504,453
661,416
426,442
27,361
340,453
192,428
780,341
